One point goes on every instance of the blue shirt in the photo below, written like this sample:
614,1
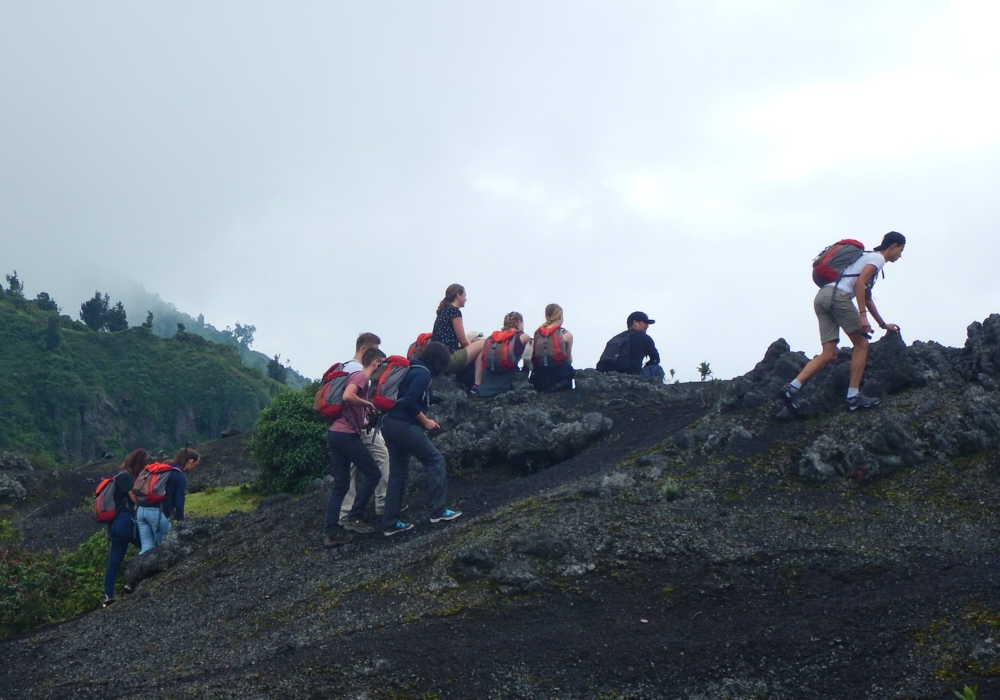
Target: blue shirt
173,500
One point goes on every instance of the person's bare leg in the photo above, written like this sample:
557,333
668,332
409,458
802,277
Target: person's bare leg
828,355
474,350
858,358
479,373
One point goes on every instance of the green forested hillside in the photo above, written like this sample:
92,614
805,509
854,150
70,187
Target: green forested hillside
71,393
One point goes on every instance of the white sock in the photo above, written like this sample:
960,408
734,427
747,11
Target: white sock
851,393
795,384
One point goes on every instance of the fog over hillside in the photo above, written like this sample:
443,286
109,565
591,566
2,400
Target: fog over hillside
270,164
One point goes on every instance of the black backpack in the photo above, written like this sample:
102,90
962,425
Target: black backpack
616,357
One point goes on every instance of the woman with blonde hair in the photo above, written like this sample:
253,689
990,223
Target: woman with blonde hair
498,361
552,353
450,331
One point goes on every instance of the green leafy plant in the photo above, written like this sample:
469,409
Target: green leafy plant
41,587
671,489
215,501
967,693
289,443
705,370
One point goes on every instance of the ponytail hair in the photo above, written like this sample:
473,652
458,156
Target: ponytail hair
511,321
135,462
450,294
185,455
553,315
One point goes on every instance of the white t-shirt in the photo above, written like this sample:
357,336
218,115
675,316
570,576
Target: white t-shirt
846,283
352,365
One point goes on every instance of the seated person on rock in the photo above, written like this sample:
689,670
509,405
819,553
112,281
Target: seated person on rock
450,331
552,353
625,352
498,361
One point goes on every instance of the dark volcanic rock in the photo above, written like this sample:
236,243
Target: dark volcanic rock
11,489
11,461
175,547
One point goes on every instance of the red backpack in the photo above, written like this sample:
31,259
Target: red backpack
418,345
498,353
548,347
151,485
390,376
104,503
329,400
830,264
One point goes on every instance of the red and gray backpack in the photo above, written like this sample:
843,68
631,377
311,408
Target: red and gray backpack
390,375
418,345
151,485
104,503
498,354
829,266
329,400
548,347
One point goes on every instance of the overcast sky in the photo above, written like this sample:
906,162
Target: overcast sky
321,169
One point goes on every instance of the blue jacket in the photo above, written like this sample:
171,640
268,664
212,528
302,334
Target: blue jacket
173,501
414,394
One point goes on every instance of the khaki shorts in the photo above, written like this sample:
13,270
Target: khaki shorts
459,359
835,310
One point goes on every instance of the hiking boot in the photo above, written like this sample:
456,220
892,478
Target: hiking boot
447,515
359,525
474,391
108,602
337,539
790,395
858,401
400,526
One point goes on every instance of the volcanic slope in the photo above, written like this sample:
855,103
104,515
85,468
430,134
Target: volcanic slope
708,546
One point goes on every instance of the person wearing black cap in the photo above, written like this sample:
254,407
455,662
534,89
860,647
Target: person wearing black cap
835,309
625,352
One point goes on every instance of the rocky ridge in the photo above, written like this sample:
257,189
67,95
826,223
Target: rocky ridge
706,545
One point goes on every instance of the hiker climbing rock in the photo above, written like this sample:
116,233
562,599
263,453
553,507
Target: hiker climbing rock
845,271
403,426
371,436
122,528
625,352
346,448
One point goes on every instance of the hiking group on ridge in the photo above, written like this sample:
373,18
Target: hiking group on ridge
377,406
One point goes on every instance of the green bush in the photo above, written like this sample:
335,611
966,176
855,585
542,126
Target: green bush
289,443
41,587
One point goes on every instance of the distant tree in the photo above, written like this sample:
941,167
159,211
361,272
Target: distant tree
46,303
704,370
53,333
244,334
95,311
149,321
275,370
115,319
16,288
181,328
201,319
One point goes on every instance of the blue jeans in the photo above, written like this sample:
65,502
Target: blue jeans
344,449
403,439
122,533
153,526
653,369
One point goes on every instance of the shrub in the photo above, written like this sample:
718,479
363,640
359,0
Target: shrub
289,443
41,587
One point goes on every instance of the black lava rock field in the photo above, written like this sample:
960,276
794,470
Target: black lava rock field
681,541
